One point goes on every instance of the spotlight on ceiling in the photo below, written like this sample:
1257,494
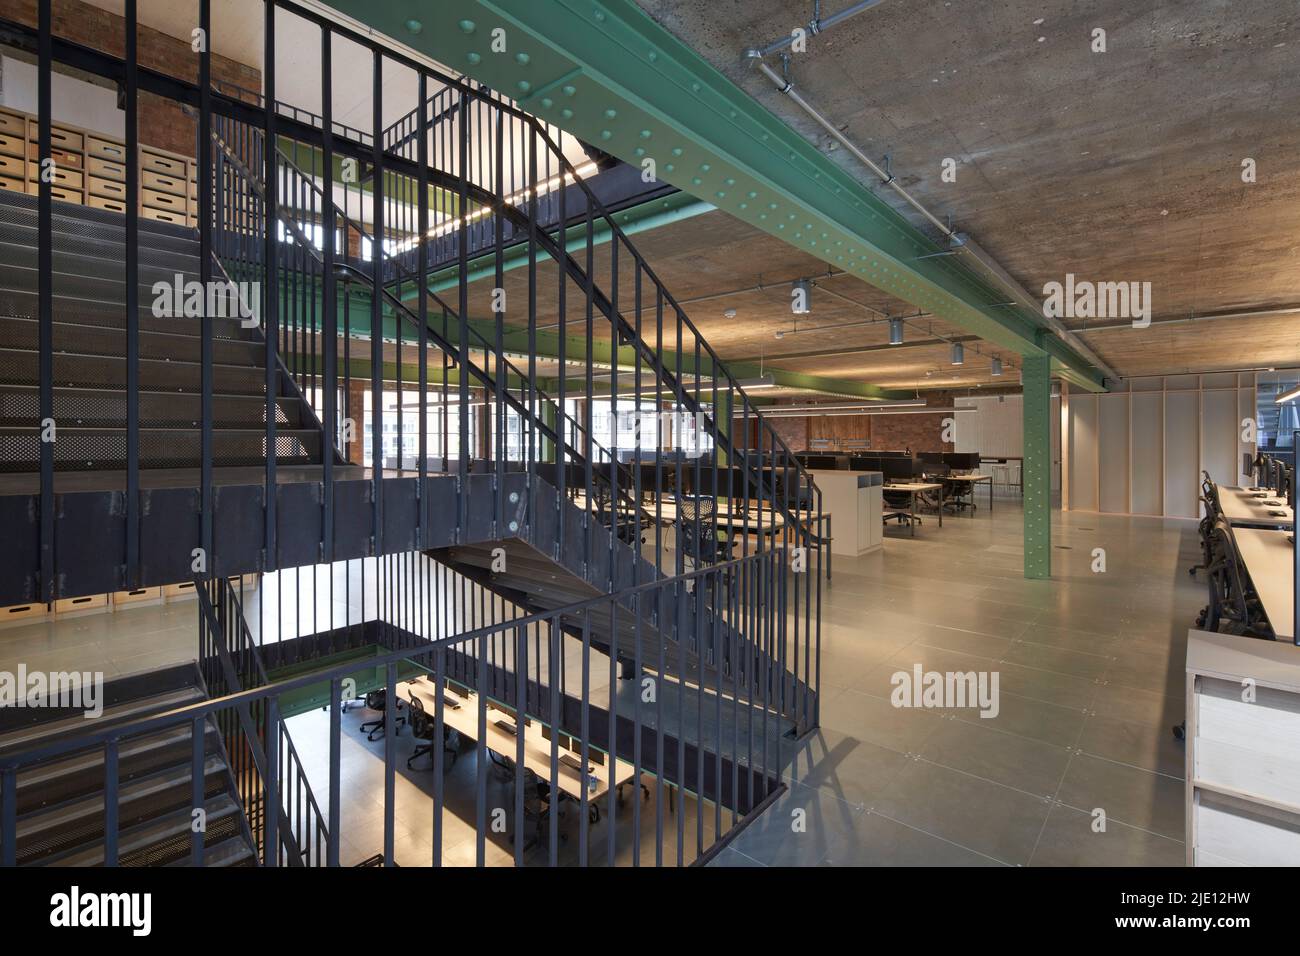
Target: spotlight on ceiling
895,331
778,334
801,297
958,354
996,364
729,314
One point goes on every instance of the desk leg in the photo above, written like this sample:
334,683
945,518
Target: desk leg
911,509
941,504
990,496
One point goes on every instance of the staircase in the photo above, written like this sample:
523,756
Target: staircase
551,530
89,345
60,802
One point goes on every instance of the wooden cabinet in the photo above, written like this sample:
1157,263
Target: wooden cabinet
90,169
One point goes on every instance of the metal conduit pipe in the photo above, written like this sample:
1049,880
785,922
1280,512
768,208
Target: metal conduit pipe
815,26
959,241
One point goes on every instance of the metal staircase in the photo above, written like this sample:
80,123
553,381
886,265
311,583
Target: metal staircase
516,544
89,364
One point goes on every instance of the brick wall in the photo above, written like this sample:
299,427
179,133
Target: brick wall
162,123
885,432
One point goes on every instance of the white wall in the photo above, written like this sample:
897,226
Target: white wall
1141,449
75,101
998,429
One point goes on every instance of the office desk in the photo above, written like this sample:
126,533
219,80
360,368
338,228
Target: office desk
537,749
1240,507
913,488
764,522
974,480
1269,559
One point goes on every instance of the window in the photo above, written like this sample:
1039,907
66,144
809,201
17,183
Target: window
314,231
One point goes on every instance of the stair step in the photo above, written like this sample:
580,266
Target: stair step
48,731
232,852
106,408
82,773
177,346
90,259
165,840
72,825
73,222
21,367
79,449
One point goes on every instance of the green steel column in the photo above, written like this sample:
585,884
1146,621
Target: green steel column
1037,375
547,413
722,419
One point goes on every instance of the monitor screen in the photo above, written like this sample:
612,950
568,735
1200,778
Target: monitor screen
898,469
964,461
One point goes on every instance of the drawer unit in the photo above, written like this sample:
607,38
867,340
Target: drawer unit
162,215
91,602
162,183
108,188
106,169
67,178
138,596
13,183
158,163
12,167
161,200
13,124
108,149
60,138
62,157
11,145
23,612
61,194
103,202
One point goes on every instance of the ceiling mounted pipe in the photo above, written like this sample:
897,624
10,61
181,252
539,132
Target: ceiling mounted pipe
960,241
815,26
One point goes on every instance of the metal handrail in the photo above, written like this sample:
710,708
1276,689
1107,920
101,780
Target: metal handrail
24,757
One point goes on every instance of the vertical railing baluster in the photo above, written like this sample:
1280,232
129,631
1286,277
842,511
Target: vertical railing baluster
111,785
198,754
335,778
270,294
132,264
328,334
45,293
376,302
8,817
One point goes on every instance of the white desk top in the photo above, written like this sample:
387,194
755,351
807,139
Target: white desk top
971,478
1230,657
537,749
1269,557
913,486
1242,507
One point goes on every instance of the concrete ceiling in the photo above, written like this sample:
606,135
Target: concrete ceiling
1115,166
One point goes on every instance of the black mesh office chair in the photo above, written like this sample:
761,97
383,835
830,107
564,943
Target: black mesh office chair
1234,608
698,536
378,700
1205,530
423,727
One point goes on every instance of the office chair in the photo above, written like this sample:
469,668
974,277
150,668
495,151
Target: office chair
1210,499
1234,608
537,808
898,505
378,700
423,727
698,537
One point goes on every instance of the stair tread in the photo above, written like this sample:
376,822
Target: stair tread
46,731
229,852
150,832
44,774
169,778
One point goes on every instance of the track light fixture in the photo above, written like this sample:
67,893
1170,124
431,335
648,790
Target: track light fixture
958,354
895,331
996,365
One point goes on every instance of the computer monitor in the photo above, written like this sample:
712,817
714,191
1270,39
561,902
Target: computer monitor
898,469
930,457
1248,465
962,460
822,462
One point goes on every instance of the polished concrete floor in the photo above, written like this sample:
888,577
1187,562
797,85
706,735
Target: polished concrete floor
1090,669
1090,681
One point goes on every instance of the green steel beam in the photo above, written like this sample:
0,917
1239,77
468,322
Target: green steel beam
648,215
1037,414
606,72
